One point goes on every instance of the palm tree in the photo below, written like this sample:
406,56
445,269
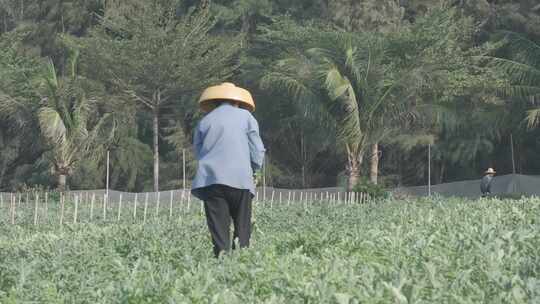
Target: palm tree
350,76
68,122
522,64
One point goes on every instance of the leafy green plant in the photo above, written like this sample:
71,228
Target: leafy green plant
373,190
434,250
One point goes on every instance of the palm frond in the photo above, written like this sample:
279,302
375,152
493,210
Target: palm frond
522,49
523,73
533,118
51,125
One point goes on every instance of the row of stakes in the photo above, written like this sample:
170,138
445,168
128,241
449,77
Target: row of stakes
304,197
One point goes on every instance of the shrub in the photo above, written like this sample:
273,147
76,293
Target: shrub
373,190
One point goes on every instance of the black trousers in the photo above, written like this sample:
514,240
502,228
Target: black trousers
221,204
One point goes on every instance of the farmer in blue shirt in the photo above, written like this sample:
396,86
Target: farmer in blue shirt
229,150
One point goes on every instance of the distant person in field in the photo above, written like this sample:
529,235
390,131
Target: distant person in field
229,149
485,184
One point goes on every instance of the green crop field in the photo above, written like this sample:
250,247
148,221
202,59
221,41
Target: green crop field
422,251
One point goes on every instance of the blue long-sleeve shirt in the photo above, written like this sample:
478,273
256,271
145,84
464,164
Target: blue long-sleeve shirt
229,149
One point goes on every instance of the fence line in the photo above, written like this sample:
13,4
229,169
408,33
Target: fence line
79,206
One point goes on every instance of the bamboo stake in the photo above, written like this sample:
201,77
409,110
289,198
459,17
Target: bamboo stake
135,207
293,195
105,207
36,201
170,204
189,202
157,205
182,198
13,200
202,207
289,200
119,208
76,209
92,206
280,201
145,207
1,201
46,204
62,201
272,199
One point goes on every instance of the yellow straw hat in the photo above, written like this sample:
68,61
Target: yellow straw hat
226,91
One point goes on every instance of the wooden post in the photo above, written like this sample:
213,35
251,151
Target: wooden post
189,202
119,208
272,199
1,201
280,201
76,209
170,204
293,195
301,194
135,207
145,207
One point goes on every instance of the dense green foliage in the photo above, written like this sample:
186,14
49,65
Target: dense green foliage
425,251
344,89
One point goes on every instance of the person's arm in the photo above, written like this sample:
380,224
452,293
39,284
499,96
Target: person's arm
197,142
256,146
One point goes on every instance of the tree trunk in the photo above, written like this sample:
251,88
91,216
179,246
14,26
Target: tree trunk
354,163
441,176
156,148
374,163
2,173
62,182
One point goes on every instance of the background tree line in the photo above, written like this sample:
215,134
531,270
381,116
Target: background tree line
346,90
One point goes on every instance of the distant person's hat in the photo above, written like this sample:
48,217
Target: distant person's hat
490,171
226,92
